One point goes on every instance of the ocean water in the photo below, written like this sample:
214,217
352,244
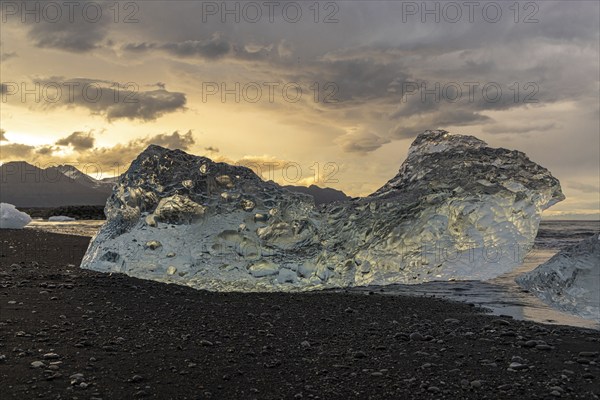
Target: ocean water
556,235
501,295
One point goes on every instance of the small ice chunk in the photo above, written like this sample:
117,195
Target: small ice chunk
569,281
60,218
11,218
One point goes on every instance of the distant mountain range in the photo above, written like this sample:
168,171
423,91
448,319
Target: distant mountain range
25,185
321,195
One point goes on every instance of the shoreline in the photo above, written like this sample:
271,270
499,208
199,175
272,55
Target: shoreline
500,295
84,228
131,338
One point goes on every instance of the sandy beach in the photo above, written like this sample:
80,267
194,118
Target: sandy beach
72,333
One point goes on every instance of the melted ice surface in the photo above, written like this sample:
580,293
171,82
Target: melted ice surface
457,209
569,281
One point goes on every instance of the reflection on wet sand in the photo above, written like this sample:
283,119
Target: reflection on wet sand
501,295
78,228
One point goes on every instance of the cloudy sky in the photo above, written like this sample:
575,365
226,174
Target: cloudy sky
331,93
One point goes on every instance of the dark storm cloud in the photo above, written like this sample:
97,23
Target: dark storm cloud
362,143
459,118
68,37
45,150
371,66
78,140
563,22
519,129
583,187
7,56
370,55
15,151
212,149
363,80
437,120
213,48
471,96
173,141
82,28
111,99
150,105
139,47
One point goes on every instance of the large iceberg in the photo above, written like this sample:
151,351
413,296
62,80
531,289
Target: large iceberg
569,281
11,218
457,209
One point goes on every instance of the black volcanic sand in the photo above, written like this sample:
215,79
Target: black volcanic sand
129,338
